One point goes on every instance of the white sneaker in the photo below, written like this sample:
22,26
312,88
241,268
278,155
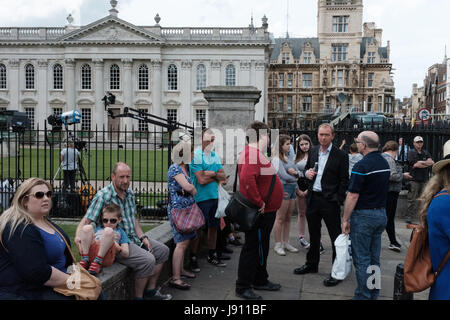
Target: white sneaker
279,249
290,248
304,243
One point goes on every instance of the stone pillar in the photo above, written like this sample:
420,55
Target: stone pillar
185,90
70,84
128,92
260,70
14,85
41,111
231,110
100,116
215,73
156,88
245,73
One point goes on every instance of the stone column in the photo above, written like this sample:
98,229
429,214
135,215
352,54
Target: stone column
100,116
260,70
215,73
128,92
157,88
42,94
245,73
231,110
185,90
70,84
14,85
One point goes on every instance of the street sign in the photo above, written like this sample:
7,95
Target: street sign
424,114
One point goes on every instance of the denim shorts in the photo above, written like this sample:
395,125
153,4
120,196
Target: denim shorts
209,208
289,191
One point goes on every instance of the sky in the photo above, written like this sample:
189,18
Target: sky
416,29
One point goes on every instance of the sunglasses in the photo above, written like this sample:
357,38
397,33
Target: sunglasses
113,220
41,194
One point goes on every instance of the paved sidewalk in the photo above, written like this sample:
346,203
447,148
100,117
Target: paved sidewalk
214,283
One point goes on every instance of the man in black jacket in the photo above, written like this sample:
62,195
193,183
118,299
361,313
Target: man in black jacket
327,170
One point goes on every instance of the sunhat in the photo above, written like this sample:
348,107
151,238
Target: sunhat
441,164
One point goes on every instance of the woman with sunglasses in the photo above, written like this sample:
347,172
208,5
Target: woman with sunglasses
33,255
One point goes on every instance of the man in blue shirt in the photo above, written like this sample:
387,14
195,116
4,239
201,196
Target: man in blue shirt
206,171
365,212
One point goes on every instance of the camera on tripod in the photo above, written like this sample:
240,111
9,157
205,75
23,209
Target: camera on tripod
108,99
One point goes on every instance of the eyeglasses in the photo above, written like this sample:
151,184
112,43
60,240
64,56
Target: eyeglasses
113,220
41,194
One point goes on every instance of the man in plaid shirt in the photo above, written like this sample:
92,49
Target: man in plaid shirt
147,264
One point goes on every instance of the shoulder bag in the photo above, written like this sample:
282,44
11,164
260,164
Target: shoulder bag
243,212
418,269
81,283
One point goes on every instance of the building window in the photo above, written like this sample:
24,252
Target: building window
307,57
289,104
307,80
3,79
370,80
340,24
143,77
143,125
172,115
86,119
201,77
340,78
86,77
200,118
29,76
340,52
230,76
369,103
371,57
30,115
57,77
57,111
290,79
388,104
172,76
349,102
328,104
285,58
306,104
114,77
280,104
380,103
281,80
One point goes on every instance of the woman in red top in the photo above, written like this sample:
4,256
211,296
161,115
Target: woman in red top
255,175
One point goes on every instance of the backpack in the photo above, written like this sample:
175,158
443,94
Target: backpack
418,269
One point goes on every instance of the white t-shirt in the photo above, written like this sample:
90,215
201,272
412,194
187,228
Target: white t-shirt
70,156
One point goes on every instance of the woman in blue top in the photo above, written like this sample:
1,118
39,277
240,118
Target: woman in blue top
435,215
33,256
181,195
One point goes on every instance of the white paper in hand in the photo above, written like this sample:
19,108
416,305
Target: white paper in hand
342,265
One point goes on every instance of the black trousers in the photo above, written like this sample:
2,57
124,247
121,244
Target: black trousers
391,208
222,235
250,270
320,208
69,180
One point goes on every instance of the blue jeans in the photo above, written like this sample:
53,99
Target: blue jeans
366,227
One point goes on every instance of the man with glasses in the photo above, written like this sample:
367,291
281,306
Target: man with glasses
146,256
206,171
420,163
365,211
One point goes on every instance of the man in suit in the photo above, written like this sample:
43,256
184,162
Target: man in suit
326,193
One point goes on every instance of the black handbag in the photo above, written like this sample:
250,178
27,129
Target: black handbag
243,212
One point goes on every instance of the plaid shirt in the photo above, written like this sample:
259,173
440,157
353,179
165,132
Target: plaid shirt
109,195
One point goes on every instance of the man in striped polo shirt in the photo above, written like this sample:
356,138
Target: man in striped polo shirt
365,212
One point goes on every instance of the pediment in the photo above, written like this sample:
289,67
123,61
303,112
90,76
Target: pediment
200,103
28,101
3,101
111,29
56,101
172,103
85,101
143,102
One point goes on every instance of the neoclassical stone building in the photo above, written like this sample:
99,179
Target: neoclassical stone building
161,70
345,66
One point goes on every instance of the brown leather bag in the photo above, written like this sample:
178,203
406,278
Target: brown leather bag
418,269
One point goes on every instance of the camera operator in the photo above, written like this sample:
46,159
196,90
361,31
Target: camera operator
69,163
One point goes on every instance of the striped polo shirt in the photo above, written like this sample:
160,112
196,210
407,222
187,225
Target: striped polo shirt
370,179
109,195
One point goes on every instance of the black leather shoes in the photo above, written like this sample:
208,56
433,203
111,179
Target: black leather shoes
248,294
222,256
306,269
331,282
269,286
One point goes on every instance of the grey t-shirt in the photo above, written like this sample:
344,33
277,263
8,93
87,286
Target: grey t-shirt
70,157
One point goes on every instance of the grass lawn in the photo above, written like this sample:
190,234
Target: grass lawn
70,229
146,165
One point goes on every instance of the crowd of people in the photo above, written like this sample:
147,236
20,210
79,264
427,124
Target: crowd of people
318,180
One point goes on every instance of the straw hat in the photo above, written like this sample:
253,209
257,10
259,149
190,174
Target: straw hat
441,164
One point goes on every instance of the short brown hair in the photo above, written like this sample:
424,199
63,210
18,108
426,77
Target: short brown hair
390,146
113,208
256,126
353,148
